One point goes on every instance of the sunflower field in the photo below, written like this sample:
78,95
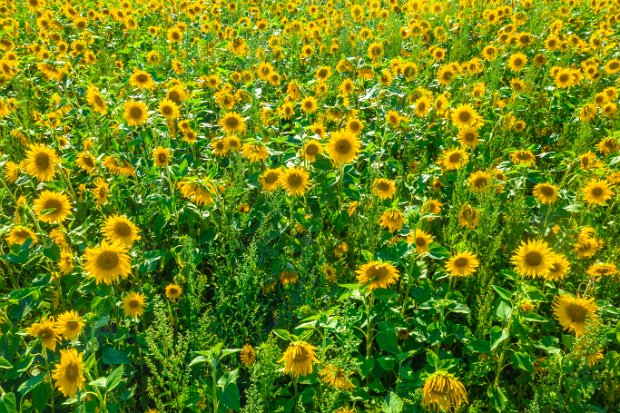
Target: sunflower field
309,206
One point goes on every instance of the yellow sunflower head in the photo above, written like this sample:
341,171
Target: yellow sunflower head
298,358
41,162
343,147
67,374
443,391
119,229
533,258
462,264
107,262
574,312
133,304
377,274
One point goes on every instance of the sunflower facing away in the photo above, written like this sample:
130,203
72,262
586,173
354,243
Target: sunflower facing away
532,258
133,304
462,264
120,229
377,274
68,374
41,162
343,147
52,207
47,331
298,358
107,262
295,180
247,355
443,391
574,312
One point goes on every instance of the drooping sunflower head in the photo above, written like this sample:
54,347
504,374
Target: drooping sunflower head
574,312
295,180
52,207
462,264
533,258
41,162
298,358
443,391
343,147
377,274
120,229
602,270
68,374
133,304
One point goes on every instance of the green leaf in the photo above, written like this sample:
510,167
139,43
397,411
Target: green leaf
40,396
27,386
498,335
498,398
114,356
392,403
522,360
199,359
387,341
503,311
283,334
115,378
437,252
7,403
230,397
4,363
502,292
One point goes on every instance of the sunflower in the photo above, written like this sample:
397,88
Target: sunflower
69,324
253,151
41,162
468,137
377,274
161,156
19,234
312,149
141,80
95,100
574,312
86,162
533,258
136,113
383,188
343,146
392,220
462,264
47,331
133,304
120,229
100,191
517,61
597,192
421,239
560,266
219,147
443,391
453,159
196,191
270,179
11,171
107,263
422,106
68,374
52,207
309,104
66,261
468,216
355,126
600,270
298,358
479,181
546,193
247,355
169,109
232,122
336,377
295,180
375,51
465,116
173,291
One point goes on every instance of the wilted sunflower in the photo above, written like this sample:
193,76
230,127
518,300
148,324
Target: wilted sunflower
52,207
336,377
597,192
462,264
295,180
312,149
47,331
136,113
133,304
546,193
377,274
100,191
41,162
533,258
196,191
247,355
173,291
161,156
107,263
119,229
421,239
69,324
443,391
298,358
270,179
253,151
232,122
343,147
68,374
19,234
392,220
383,188
574,312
